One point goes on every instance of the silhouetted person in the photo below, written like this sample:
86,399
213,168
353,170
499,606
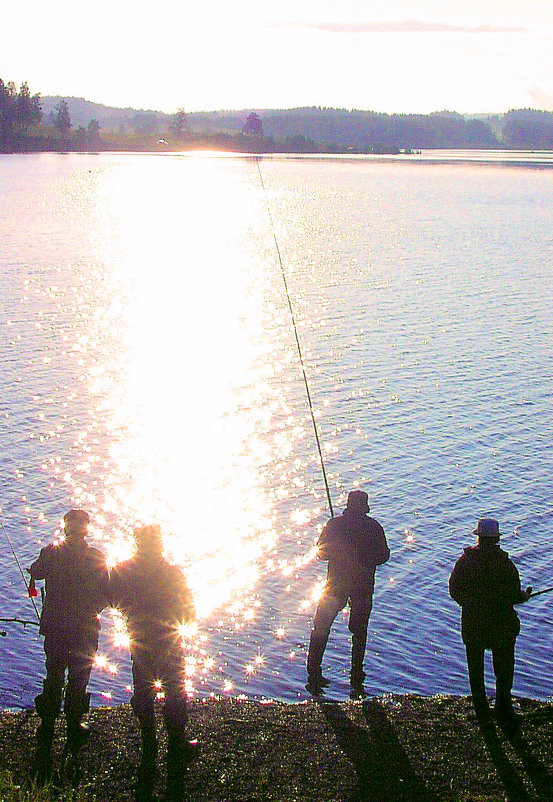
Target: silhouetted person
76,593
354,544
154,597
486,583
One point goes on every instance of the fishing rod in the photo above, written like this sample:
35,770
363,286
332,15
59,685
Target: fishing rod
28,588
539,593
16,620
302,364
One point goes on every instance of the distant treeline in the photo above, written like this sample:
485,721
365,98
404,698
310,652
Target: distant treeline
29,122
523,128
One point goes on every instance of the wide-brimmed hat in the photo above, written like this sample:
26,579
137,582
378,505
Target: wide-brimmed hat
487,527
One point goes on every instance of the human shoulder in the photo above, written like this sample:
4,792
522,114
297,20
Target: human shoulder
468,556
174,571
96,554
53,551
123,569
374,524
44,560
50,549
331,528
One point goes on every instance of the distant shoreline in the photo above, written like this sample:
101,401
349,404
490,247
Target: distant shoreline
499,158
224,143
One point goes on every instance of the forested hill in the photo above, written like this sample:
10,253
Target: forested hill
360,128
524,128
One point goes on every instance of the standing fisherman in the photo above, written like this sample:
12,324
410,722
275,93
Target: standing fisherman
155,599
354,544
486,583
76,593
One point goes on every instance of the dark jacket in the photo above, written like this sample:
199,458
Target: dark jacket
154,597
486,583
76,588
354,544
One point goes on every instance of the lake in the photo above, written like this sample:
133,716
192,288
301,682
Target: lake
150,373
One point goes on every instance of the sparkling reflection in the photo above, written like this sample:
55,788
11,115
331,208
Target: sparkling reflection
179,337
149,374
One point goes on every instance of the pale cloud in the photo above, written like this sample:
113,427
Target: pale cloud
399,26
543,100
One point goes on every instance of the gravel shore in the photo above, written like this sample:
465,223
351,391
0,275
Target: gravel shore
376,750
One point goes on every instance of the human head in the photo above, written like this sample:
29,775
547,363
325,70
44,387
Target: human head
487,531
358,501
148,538
76,523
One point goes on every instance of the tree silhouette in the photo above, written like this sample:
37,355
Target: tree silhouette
7,109
253,125
93,131
62,119
178,124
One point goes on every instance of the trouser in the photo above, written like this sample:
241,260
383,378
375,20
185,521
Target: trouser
163,665
503,657
75,654
327,610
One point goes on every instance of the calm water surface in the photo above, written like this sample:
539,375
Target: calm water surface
149,372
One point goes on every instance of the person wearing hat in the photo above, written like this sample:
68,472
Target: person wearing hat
76,593
486,584
156,601
354,545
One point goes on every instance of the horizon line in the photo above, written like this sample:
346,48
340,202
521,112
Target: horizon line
245,109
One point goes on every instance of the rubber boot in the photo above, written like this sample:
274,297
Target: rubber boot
76,706
180,751
147,769
42,761
47,705
358,643
504,666
176,767
315,679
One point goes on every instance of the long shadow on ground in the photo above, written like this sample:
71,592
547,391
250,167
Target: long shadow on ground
511,780
381,764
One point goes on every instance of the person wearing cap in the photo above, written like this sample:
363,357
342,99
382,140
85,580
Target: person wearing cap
76,593
486,584
156,601
354,545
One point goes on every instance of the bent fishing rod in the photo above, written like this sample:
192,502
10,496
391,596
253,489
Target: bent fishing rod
28,587
296,335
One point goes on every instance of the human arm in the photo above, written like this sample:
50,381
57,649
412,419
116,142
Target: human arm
458,585
42,565
525,594
519,596
381,551
187,603
327,546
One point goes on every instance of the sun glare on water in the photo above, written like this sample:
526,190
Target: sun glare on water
175,338
177,365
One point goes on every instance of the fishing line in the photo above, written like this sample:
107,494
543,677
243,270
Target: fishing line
16,558
294,326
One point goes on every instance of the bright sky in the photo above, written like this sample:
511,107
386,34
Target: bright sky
383,55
